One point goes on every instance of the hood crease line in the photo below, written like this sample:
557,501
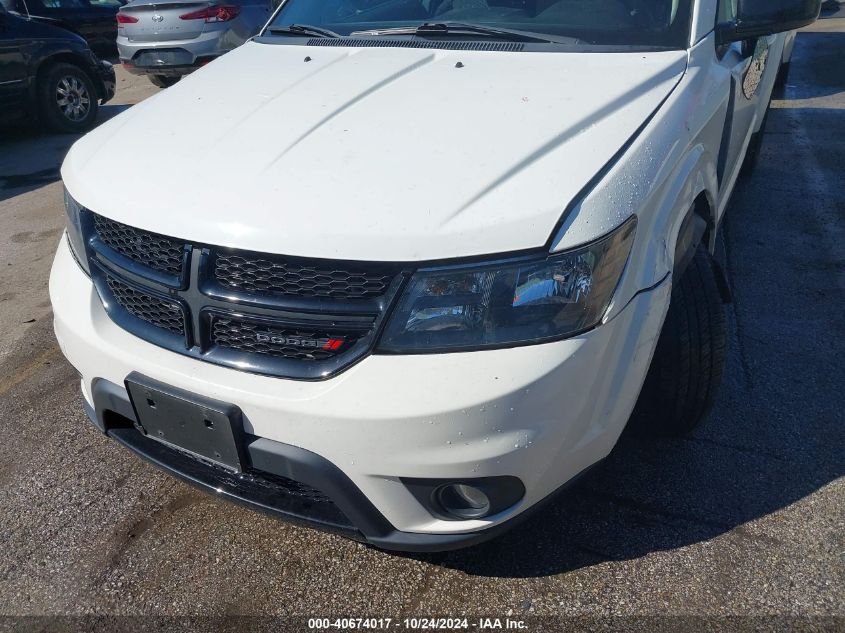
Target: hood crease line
571,132
363,95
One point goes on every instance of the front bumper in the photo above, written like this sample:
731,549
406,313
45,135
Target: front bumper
105,74
541,413
345,510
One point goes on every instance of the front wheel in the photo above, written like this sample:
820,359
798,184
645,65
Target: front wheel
686,371
67,99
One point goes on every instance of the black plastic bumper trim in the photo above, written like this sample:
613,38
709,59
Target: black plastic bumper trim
414,542
368,524
218,481
106,80
503,491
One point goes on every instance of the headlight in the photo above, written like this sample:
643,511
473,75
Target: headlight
509,303
74,232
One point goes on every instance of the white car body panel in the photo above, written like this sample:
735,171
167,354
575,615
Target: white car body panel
672,162
394,156
788,47
428,422
398,155
703,20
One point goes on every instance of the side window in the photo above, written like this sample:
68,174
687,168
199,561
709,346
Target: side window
727,11
65,4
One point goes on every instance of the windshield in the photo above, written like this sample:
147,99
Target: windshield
658,23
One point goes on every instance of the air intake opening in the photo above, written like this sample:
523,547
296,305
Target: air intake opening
387,42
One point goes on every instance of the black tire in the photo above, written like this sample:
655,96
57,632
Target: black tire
67,99
163,81
783,75
686,371
755,147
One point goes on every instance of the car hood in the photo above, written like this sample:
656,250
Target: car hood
370,153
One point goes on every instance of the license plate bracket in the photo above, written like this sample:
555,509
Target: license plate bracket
210,429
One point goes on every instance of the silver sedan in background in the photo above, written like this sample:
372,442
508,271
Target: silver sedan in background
168,39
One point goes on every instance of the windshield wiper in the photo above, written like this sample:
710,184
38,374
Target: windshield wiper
461,29
301,29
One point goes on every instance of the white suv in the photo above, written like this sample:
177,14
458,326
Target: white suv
403,269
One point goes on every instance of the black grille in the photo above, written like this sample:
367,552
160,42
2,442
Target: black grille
158,252
278,276
276,315
158,312
257,338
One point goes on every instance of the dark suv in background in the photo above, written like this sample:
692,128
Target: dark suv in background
49,74
95,20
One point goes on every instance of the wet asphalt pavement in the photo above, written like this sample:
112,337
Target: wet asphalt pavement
745,518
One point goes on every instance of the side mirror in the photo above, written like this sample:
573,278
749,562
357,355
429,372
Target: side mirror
759,18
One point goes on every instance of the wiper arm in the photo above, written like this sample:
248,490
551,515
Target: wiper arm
458,29
301,29
463,28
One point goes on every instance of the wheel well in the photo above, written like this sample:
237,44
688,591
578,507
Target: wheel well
695,229
65,58
702,208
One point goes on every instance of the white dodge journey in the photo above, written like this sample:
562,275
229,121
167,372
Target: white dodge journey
404,269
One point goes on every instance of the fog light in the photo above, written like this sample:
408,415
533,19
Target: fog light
463,501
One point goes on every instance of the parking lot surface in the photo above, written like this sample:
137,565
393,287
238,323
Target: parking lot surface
745,517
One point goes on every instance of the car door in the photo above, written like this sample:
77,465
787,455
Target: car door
747,63
13,68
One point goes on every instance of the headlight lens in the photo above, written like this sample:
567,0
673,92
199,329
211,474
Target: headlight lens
74,232
510,303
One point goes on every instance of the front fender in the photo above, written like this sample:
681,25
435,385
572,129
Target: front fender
670,168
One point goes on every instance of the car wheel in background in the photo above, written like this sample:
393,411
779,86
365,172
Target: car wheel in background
67,99
163,81
686,371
